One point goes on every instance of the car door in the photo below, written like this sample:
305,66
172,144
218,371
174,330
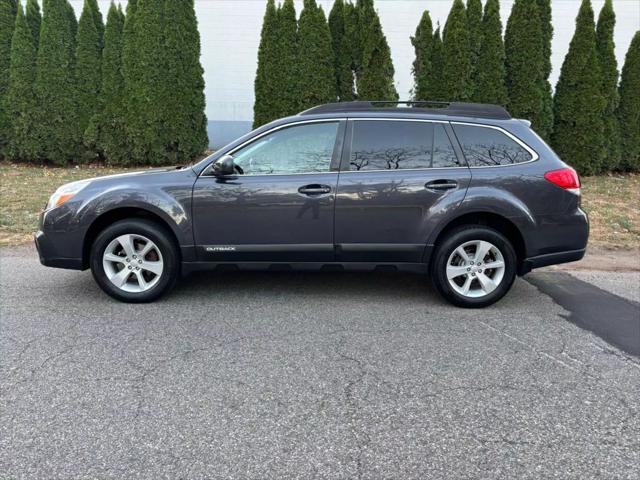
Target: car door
280,205
398,177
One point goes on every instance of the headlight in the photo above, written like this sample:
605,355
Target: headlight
66,193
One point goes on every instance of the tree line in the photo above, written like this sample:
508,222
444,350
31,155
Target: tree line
592,120
77,90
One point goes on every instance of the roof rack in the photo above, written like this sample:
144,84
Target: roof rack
460,109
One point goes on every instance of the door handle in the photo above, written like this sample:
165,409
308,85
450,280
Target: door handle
314,189
441,185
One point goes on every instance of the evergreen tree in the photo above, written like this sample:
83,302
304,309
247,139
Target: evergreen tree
8,9
474,25
264,106
88,65
352,38
315,60
375,76
341,52
422,44
579,104
457,54
20,102
34,19
57,126
97,18
609,66
437,88
288,96
106,131
145,81
629,109
490,73
184,103
545,121
524,63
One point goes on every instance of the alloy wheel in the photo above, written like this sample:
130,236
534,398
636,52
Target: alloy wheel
475,268
133,263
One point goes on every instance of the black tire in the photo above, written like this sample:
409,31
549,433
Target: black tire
458,237
152,231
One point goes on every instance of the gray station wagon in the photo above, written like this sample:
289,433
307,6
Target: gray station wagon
460,191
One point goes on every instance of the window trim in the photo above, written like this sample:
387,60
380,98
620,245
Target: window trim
534,155
335,155
346,157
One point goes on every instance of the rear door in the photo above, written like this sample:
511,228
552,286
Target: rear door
398,178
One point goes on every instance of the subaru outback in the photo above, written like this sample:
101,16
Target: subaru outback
460,191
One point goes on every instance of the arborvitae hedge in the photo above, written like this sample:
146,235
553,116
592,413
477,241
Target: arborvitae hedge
352,34
375,78
490,72
183,112
287,71
545,120
578,133
629,109
609,66
422,43
315,60
20,102
57,130
264,86
145,84
7,23
474,22
34,18
88,66
457,54
106,132
341,52
437,88
524,63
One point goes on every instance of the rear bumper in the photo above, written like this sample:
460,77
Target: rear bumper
49,256
550,259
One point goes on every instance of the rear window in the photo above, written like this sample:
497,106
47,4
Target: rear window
398,145
487,147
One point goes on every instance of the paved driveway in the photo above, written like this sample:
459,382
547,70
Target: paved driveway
288,375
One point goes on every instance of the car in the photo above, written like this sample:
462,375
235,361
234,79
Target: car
460,191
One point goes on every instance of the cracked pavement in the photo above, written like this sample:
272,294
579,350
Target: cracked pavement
303,375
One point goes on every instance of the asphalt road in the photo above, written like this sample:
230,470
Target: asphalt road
290,375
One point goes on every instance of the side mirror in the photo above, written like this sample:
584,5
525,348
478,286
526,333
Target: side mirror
224,166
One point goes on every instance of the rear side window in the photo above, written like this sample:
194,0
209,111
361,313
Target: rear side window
486,147
398,145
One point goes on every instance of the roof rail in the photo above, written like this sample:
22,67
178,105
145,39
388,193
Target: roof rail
460,109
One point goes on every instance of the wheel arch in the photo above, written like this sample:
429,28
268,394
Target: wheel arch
122,213
493,220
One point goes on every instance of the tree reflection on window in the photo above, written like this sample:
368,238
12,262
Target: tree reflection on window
396,145
489,147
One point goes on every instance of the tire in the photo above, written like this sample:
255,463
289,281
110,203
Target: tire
483,286
116,251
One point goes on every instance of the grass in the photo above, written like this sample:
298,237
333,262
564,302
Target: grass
612,201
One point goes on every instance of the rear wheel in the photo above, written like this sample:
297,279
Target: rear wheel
134,261
474,266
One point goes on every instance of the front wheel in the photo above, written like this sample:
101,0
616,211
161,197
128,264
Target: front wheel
474,266
134,261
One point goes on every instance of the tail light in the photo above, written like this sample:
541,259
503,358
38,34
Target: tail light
565,178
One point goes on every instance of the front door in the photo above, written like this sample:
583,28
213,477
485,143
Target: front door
397,178
279,207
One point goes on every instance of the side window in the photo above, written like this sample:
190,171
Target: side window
484,146
443,153
299,149
397,145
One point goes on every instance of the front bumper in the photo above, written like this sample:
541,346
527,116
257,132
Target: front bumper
50,257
